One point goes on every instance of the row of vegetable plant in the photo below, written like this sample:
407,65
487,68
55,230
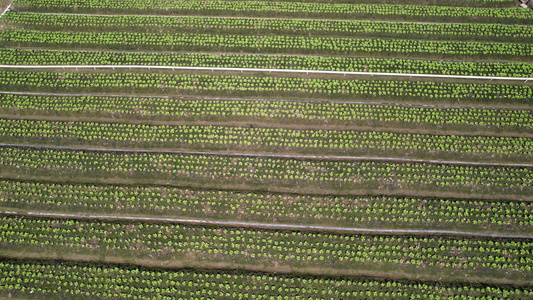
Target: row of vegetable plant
333,46
267,140
443,257
326,63
341,115
291,9
266,85
237,25
393,212
72,280
310,175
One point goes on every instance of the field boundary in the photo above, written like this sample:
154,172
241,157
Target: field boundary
410,75
289,156
292,227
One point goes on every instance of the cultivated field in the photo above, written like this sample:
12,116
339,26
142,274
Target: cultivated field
313,149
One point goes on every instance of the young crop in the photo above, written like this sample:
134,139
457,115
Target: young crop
329,210
70,280
337,28
287,8
272,172
273,140
443,256
271,112
444,161
117,40
349,64
264,85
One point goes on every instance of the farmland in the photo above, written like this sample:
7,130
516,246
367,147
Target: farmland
161,149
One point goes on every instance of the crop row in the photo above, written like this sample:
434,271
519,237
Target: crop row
264,44
275,112
364,64
440,256
196,24
309,175
281,8
68,279
264,85
360,211
273,140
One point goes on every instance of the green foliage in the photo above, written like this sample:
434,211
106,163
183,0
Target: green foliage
326,63
443,256
329,210
210,169
264,85
72,281
117,40
242,26
287,8
270,111
273,140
